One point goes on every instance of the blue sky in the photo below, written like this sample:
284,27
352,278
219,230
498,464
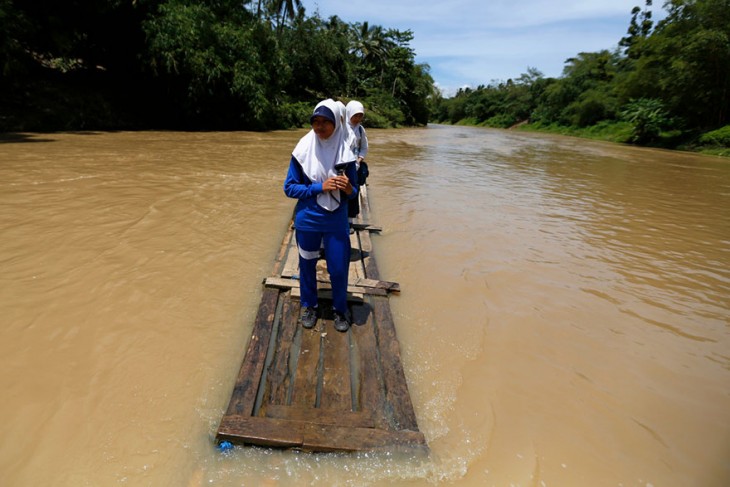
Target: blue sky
473,42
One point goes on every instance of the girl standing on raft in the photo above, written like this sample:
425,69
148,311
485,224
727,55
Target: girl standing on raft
323,177
358,142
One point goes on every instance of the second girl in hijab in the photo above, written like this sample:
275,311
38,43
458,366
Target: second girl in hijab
358,142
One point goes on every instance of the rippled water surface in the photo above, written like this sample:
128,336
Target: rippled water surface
564,320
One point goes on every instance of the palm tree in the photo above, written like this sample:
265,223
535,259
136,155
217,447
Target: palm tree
373,46
285,9
369,42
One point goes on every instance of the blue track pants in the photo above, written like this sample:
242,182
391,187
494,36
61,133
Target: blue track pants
337,255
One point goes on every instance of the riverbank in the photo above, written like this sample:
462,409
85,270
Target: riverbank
621,132
710,143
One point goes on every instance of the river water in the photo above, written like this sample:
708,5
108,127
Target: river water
564,317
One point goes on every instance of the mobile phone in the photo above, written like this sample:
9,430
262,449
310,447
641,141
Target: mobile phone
340,168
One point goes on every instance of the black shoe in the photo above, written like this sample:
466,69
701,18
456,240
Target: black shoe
342,321
309,317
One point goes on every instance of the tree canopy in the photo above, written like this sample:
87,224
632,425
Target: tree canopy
670,81
197,64
263,64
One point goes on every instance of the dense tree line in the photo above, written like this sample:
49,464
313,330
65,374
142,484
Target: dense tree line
667,82
197,64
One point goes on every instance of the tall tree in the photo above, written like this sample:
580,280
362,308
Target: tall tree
639,29
285,9
686,63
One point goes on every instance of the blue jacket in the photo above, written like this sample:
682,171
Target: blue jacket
308,215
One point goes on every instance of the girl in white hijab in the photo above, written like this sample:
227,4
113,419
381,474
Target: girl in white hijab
358,138
322,177
358,142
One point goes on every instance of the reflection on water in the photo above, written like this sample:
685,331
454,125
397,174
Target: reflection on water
563,320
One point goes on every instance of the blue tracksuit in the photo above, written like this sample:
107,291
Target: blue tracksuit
314,226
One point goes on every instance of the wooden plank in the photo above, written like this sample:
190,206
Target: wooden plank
244,393
364,226
283,366
351,419
312,436
358,219
364,203
261,431
365,286
283,250
287,283
356,271
368,387
377,284
352,297
371,268
307,378
396,388
322,437
336,391
291,268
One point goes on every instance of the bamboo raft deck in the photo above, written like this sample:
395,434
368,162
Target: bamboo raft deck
320,389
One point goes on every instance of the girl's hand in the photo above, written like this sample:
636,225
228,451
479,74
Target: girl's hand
337,183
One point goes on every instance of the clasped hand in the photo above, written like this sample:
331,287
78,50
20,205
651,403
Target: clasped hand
337,182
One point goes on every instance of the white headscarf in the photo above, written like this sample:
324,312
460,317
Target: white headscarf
318,157
353,139
353,108
343,110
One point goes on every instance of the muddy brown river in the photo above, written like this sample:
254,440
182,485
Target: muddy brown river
564,317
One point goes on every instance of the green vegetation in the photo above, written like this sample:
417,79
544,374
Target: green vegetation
716,142
666,85
260,65
197,65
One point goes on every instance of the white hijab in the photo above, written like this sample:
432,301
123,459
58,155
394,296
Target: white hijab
353,108
318,157
343,110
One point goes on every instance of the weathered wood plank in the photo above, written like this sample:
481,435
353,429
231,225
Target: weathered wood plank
365,286
244,393
336,390
377,284
356,271
326,295
351,419
312,436
261,431
291,267
364,203
307,378
323,437
283,366
283,250
367,227
396,389
371,268
369,395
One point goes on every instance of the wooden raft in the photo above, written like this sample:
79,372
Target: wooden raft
320,389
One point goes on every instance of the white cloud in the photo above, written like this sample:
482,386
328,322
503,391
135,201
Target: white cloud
459,13
472,42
